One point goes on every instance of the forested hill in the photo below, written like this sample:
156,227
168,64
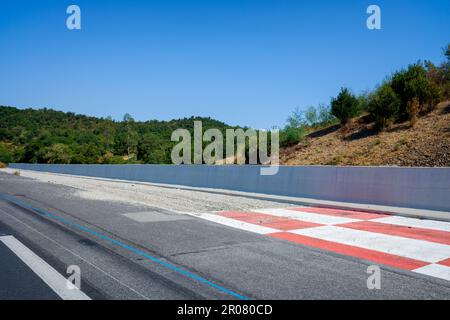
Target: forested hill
49,136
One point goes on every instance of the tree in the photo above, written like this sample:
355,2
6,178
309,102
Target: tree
325,116
311,116
37,136
384,106
296,119
294,130
363,101
131,137
151,149
128,118
440,75
414,83
413,110
58,153
6,153
344,106
290,136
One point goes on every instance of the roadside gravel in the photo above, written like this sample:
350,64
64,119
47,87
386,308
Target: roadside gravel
172,199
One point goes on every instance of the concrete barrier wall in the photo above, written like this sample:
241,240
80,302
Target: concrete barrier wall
422,188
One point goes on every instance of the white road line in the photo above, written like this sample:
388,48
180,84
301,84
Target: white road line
235,223
415,223
307,216
73,253
405,247
435,270
46,272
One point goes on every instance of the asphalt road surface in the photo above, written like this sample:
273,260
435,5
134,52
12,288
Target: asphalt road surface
18,281
149,249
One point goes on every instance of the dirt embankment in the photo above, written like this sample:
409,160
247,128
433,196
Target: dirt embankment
427,144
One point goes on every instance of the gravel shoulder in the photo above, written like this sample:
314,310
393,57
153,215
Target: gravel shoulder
171,199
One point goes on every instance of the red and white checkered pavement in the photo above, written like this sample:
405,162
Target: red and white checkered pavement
417,245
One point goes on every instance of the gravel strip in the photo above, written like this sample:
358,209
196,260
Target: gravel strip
154,196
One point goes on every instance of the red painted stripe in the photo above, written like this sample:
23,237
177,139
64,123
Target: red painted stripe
250,217
445,263
361,215
401,231
238,214
366,254
290,224
268,220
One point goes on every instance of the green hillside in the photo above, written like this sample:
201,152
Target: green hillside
49,136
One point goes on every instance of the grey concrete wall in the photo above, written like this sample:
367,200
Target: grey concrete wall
422,188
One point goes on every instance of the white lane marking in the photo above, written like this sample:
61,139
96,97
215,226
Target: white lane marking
307,216
405,247
235,223
435,270
415,223
74,254
46,272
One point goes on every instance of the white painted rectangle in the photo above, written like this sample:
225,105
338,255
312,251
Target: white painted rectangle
415,223
236,223
405,247
435,270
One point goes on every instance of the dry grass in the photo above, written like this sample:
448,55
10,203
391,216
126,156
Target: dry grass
425,144
2,165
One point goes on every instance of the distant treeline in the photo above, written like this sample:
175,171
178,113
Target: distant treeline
49,136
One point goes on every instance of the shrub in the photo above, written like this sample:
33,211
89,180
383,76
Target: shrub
2,165
344,106
440,75
290,136
415,83
311,116
6,153
363,101
58,153
112,159
384,106
412,110
296,119
325,116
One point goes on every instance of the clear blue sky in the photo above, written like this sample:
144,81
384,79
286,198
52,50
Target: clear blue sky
243,62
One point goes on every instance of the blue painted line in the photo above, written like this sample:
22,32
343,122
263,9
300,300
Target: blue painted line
123,245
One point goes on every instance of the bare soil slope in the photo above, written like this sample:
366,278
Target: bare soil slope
427,144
